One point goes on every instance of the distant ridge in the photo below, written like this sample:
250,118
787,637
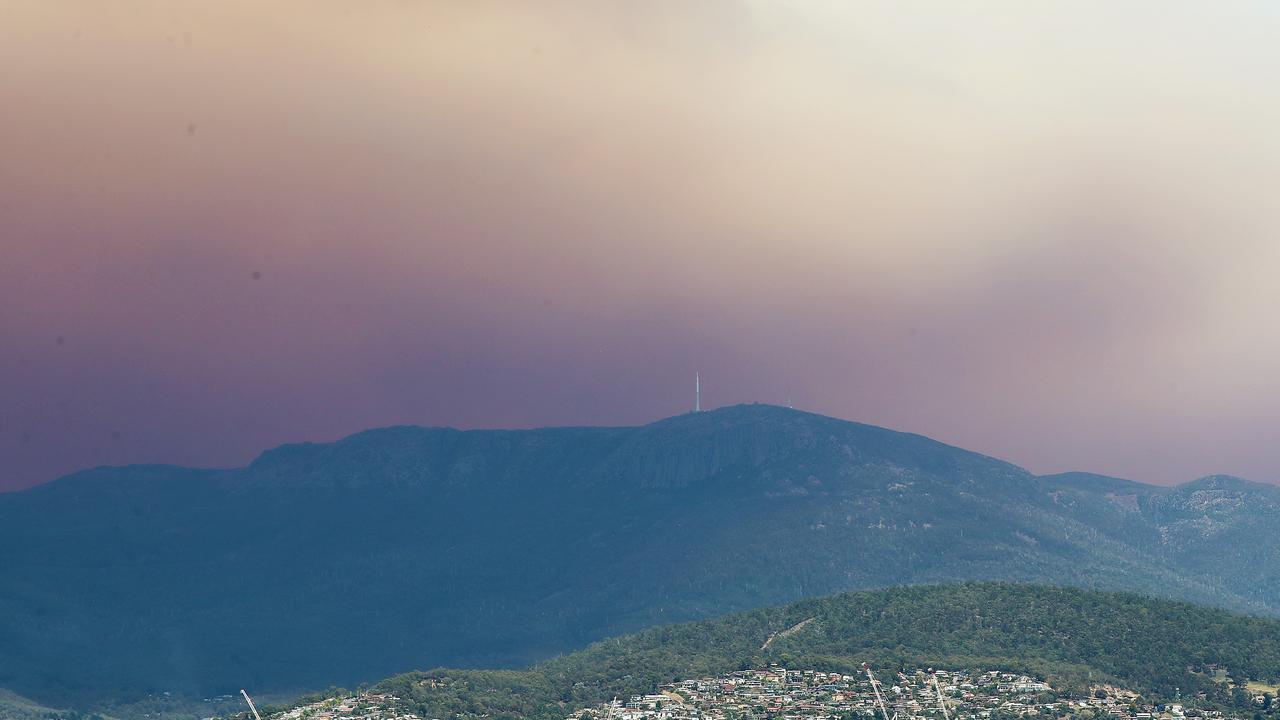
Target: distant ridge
333,563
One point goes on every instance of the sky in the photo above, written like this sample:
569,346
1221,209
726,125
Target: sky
1048,232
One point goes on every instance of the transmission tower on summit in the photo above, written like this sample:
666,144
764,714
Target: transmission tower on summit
697,393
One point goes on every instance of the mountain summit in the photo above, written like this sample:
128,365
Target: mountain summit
412,547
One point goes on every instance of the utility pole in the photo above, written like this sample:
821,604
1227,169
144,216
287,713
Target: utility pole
250,701
938,691
875,686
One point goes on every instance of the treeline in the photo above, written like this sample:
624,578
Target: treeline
1072,637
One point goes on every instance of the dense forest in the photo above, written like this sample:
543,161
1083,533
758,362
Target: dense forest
1072,637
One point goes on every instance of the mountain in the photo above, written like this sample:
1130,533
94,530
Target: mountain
1072,637
412,547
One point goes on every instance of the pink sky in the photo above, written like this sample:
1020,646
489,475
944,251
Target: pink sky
1046,233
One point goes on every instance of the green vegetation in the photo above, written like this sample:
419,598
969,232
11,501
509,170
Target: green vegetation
1071,637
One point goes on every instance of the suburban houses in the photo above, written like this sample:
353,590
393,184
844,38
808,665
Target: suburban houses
779,693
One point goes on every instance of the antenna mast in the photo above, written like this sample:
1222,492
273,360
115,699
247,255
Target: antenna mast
697,393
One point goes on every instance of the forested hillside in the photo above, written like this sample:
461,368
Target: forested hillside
1072,637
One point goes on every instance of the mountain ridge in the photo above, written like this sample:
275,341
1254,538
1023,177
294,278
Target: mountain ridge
409,546
267,457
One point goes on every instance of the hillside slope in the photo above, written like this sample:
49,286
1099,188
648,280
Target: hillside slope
1071,636
410,547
